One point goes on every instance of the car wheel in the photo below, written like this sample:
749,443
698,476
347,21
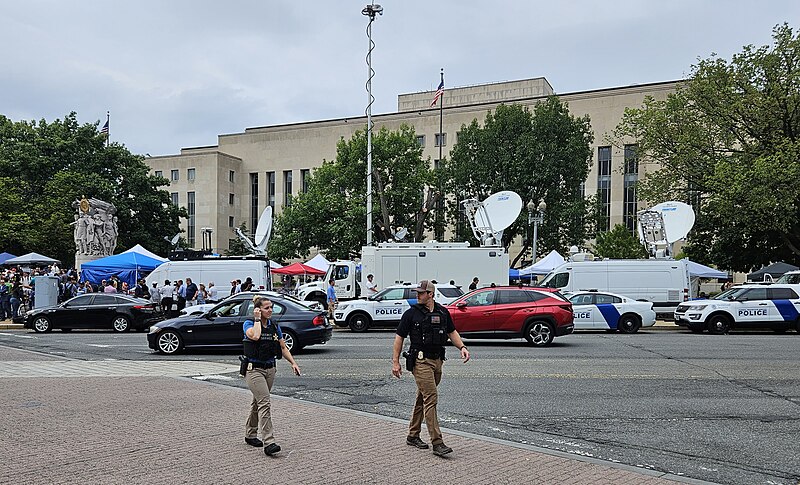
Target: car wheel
169,342
42,324
539,334
358,322
628,324
121,323
290,339
718,324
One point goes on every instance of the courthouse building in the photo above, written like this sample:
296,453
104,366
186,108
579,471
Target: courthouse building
232,182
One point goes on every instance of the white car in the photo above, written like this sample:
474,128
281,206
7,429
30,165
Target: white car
385,308
775,306
200,309
595,310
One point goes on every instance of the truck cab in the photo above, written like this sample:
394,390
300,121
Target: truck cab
346,276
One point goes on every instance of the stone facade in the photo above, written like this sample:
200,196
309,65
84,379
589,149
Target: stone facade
223,185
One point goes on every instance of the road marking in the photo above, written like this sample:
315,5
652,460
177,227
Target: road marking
16,335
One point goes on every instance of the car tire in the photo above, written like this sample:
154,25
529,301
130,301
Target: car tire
628,324
42,324
718,324
358,322
169,342
290,338
539,333
696,328
121,324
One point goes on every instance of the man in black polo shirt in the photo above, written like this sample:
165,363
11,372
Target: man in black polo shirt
429,325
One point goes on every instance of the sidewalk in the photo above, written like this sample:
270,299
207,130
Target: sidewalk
181,430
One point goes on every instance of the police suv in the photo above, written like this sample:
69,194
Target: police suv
594,310
385,308
775,306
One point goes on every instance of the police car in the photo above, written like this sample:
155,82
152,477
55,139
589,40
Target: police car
775,306
385,308
594,310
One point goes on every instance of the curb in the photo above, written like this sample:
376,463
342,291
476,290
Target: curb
11,326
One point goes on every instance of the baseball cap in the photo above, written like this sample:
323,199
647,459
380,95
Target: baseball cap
426,285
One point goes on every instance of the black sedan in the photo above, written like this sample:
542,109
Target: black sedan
222,326
95,310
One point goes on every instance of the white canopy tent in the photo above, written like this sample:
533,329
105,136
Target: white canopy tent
318,262
544,265
139,249
700,271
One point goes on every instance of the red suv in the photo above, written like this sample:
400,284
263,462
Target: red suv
538,314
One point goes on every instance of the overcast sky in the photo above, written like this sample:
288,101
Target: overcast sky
176,73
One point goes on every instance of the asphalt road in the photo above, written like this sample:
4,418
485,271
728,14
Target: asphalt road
718,408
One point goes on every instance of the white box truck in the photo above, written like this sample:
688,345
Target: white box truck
664,282
219,270
397,263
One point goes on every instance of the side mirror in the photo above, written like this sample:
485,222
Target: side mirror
461,304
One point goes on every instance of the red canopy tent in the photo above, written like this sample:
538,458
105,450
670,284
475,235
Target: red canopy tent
297,269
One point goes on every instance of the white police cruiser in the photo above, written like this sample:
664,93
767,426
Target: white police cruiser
385,308
775,306
594,310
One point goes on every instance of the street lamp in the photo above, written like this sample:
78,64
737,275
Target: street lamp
370,11
535,220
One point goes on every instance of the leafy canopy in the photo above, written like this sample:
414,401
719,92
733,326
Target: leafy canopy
55,163
332,215
619,243
727,143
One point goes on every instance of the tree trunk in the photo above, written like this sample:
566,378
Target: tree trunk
520,255
430,201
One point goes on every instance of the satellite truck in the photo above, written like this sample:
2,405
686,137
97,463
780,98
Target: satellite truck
662,280
394,263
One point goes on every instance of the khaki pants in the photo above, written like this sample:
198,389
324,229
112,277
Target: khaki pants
428,375
331,308
259,381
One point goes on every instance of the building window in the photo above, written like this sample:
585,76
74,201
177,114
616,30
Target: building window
441,140
305,174
230,221
174,176
231,176
421,140
604,187
271,189
190,208
159,173
253,202
437,164
174,197
287,188
190,174
631,176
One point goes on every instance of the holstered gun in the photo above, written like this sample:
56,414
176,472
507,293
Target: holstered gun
411,359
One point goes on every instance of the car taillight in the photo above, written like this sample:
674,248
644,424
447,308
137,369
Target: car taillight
143,307
567,306
318,320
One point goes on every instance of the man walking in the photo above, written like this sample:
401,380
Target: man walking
332,300
429,325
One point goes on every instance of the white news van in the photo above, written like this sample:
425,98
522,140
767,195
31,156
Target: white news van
664,282
398,263
219,270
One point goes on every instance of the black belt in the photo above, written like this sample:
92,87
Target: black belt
258,365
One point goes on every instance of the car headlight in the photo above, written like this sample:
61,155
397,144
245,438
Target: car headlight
154,329
342,306
697,308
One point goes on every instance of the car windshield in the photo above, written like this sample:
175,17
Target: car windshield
555,280
790,278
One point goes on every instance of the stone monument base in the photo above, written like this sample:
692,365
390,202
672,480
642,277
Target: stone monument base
85,258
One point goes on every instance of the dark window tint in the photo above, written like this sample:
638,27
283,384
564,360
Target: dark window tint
341,272
783,294
602,299
755,294
558,281
80,300
451,292
506,297
104,300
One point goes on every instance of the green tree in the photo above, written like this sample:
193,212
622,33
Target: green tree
541,154
619,243
55,163
727,142
332,214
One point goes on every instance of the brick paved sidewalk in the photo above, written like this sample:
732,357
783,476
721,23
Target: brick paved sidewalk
178,430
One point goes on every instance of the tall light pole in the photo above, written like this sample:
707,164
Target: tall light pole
370,11
535,220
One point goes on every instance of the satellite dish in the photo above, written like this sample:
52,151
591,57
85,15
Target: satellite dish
175,238
401,234
490,217
264,228
678,219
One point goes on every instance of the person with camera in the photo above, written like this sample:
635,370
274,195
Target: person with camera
263,344
429,325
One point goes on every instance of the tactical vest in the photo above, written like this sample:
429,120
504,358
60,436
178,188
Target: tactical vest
267,348
429,332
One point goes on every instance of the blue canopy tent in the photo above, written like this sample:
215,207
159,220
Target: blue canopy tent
513,274
5,257
128,267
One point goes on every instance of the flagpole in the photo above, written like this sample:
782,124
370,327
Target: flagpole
441,116
108,123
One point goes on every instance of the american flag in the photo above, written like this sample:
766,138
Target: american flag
104,129
439,93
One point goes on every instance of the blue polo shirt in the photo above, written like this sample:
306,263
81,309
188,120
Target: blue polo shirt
331,293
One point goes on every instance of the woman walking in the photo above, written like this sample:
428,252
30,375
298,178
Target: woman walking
263,343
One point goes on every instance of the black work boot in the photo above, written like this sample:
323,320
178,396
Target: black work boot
416,441
441,449
271,449
254,442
